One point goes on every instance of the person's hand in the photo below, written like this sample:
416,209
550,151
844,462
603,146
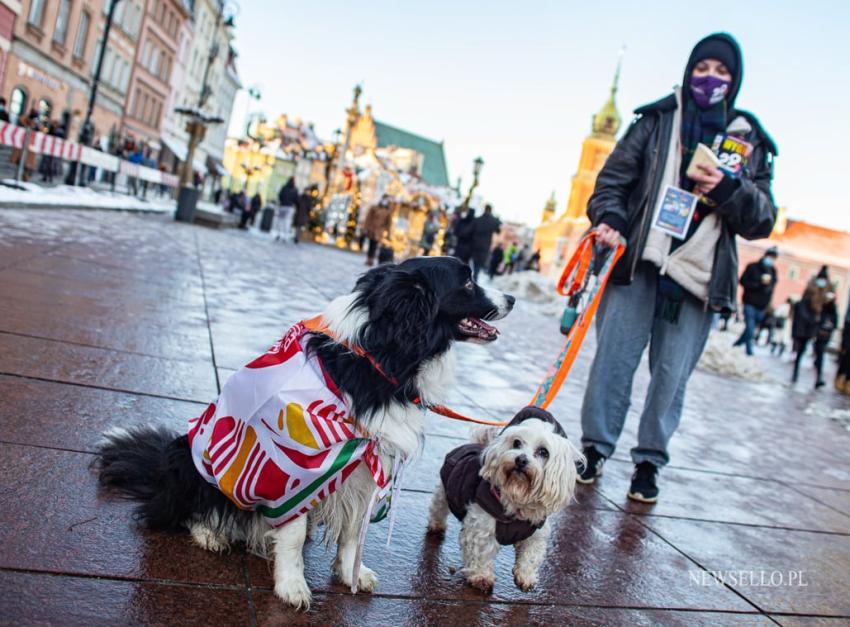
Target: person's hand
707,178
607,235
765,278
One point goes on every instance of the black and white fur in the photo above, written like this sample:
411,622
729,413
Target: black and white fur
406,316
534,469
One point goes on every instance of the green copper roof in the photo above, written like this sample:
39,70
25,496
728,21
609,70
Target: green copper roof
434,163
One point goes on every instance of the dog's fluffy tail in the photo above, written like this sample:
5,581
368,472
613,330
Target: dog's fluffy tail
153,465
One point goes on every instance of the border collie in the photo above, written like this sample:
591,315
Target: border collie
405,318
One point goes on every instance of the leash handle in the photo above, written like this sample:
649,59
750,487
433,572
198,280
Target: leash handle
576,271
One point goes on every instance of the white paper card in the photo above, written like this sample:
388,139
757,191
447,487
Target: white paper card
675,211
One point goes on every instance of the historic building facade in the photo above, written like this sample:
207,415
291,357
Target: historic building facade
118,59
48,65
557,236
151,77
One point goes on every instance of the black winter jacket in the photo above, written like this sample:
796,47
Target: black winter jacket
464,486
756,292
628,185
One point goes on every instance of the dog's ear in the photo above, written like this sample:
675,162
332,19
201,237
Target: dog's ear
401,305
369,280
556,487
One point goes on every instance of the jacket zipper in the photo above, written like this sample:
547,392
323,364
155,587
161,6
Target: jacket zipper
644,202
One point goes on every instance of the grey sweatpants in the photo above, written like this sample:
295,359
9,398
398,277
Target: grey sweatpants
625,323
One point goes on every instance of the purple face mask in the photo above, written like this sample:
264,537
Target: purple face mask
708,90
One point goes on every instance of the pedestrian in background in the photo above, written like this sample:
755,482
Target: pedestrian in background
806,321
303,210
781,328
670,310
496,257
429,233
4,113
483,229
376,225
826,326
758,281
462,233
287,198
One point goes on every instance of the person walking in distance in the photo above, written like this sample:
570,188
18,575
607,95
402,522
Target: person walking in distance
664,291
758,281
287,199
483,229
429,233
303,210
376,225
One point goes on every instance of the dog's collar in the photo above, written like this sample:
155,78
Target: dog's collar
318,325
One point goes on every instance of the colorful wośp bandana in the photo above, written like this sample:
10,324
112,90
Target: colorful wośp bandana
279,438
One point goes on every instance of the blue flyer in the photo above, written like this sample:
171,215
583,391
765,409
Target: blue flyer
675,211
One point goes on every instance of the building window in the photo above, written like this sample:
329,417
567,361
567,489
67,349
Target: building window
36,12
60,33
17,104
82,35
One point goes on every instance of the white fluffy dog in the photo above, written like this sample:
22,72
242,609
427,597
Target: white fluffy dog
503,487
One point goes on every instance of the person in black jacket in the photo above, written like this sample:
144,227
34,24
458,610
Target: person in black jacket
483,229
462,233
842,375
758,282
827,323
664,292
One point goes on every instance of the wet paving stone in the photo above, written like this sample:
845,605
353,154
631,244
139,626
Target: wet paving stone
107,317
597,558
778,570
39,599
52,519
723,498
340,609
58,361
48,414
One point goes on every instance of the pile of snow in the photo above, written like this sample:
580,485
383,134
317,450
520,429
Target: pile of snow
67,196
720,358
531,287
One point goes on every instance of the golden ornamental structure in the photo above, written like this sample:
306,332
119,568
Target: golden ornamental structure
556,236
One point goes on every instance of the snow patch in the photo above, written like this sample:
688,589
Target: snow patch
720,358
534,289
821,410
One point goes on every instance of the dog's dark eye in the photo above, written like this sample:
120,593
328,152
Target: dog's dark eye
517,444
542,453
469,286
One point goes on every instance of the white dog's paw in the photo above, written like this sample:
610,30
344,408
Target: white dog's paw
208,539
524,578
295,592
366,579
483,581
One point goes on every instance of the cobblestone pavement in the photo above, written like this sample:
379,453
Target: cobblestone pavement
114,319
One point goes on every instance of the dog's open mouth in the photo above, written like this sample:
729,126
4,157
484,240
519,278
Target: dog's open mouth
477,329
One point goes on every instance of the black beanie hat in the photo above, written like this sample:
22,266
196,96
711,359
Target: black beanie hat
724,48
540,414
716,48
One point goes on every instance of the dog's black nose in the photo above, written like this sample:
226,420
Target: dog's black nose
510,300
521,461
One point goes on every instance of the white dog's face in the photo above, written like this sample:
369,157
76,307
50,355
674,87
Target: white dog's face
532,466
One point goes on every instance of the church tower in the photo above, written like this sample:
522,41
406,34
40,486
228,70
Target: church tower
549,209
557,237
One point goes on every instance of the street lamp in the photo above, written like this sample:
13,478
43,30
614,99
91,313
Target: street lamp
476,170
197,123
85,129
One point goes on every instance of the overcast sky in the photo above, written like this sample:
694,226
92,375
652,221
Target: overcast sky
518,82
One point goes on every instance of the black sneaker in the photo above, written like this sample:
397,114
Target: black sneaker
643,486
592,468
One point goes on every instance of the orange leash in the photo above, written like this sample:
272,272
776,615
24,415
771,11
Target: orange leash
577,273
